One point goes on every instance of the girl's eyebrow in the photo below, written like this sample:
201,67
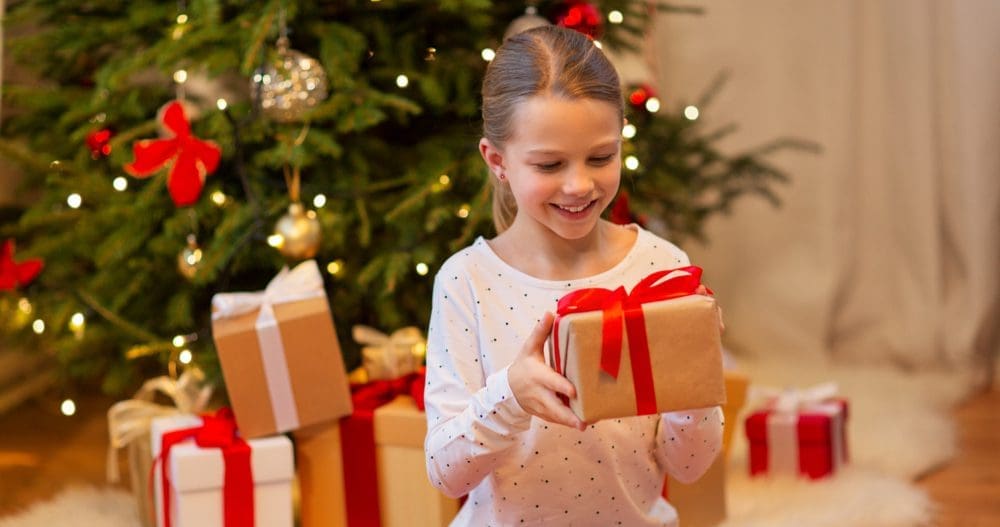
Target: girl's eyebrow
607,144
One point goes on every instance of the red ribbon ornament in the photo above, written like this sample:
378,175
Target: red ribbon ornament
620,308
193,159
357,434
217,431
14,274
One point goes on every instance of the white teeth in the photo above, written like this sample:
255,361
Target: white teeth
573,209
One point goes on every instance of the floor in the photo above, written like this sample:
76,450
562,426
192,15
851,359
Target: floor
42,451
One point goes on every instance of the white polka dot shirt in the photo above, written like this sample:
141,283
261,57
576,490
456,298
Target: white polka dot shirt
520,470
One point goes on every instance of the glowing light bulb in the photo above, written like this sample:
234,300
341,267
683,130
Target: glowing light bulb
631,163
68,407
276,240
218,198
335,267
616,17
422,269
180,76
74,200
402,81
77,321
652,105
179,341
444,179
221,104
488,54
628,131
463,211
120,184
24,305
185,356
691,112
319,200
38,326
182,18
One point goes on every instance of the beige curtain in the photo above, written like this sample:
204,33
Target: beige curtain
887,247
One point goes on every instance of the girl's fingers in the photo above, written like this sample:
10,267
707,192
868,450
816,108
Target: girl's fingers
557,412
536,340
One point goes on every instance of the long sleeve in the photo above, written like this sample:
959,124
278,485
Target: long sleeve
687,442
471,418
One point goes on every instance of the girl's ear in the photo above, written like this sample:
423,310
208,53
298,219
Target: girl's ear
493,157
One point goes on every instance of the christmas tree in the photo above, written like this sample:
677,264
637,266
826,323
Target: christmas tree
340,131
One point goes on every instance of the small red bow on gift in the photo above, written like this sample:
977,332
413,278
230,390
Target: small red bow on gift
194,159
13,274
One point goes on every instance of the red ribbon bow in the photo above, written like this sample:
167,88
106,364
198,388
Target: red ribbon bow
14,274
357,434
619,308
217,431
194,159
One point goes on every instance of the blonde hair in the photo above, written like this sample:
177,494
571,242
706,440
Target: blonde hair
547,60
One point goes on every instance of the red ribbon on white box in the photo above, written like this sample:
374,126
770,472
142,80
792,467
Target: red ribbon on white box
301,283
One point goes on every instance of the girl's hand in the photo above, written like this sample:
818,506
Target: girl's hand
535,384
702,290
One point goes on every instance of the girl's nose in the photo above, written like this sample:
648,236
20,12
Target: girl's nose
577,182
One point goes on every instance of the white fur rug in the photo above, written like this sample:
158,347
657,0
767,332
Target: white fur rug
898,429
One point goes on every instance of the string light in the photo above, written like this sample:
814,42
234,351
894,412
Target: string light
628,131
180,76
182,18
402,81
631,163
463,211
179,341
335,267
74,200
218,198
488,54
652,105
616,17
444,179
120,184
38,326
77,323
221,104
24,305
68,407
185,356
691,112
276,240
319,201
422,269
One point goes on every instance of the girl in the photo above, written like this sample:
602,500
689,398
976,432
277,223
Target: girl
497,431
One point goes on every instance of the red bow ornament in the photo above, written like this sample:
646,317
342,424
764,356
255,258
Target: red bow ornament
13,274
193,158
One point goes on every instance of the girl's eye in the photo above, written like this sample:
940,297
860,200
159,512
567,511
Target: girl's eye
548,167
602,160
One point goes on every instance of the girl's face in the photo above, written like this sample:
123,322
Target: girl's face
562,162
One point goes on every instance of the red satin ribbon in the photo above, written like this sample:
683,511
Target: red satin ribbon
357,439
618,309
217,431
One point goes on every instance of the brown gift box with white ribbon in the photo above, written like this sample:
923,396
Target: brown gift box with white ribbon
280,356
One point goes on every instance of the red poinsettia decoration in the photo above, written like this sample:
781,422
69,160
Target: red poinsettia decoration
99,142
14,274
582,16
193,158
621,214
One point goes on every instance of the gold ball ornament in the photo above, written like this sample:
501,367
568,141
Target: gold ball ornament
299,233
189,259
528,20
289,85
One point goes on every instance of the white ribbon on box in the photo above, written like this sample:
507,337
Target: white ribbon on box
389,356
782,423
301,283
130,420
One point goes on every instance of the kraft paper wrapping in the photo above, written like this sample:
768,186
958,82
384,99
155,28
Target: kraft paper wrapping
685,353
702,503
320,469
312,355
